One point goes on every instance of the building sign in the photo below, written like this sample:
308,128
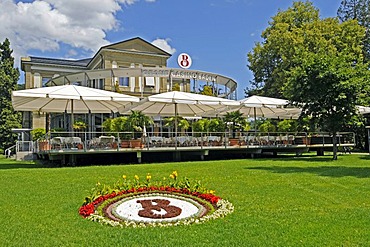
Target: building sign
184,61
179,74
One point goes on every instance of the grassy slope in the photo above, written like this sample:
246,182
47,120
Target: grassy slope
306,201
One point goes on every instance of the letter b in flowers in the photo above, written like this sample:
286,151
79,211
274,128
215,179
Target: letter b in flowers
153,209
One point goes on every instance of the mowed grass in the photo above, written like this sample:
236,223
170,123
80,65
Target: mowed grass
287,201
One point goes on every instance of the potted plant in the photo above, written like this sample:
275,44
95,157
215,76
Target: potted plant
79,125
182,123
118,126
39,135
236,122
136,122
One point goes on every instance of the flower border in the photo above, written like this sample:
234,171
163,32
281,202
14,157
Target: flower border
103,196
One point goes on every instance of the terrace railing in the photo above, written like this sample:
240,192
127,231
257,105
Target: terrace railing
89,141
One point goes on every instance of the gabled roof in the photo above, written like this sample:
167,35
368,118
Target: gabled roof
137,45
54,61
134,45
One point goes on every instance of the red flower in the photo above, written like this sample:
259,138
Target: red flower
87,210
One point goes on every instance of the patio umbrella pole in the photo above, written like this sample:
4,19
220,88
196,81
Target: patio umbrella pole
255,121
175,125
72,117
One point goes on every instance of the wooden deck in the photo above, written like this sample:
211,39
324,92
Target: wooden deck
76,151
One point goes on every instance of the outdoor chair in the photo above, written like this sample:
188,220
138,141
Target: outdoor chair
106,142
73,143
57,142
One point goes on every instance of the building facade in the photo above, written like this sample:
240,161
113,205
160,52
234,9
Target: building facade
134,67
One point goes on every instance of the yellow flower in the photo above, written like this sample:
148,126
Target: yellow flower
136,177
124,177
172,176
148,176
211,192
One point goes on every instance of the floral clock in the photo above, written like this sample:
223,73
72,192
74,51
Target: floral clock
169,202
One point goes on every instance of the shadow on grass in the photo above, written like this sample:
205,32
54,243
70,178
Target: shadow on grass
365,157
306,158
326,171
4,165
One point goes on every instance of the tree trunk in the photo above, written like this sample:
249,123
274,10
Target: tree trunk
335,149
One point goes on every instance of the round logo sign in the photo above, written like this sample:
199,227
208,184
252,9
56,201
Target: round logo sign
184,61
156,208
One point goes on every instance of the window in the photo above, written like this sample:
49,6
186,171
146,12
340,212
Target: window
37,80
149,82
124,81
45,80
101,84
96,83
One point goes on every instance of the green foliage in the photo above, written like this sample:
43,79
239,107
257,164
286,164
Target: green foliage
207,90
287,125
267,126
357,10
132,123
271,59
236,121
118,124
209,125
288,201
316,63
8,82
79,125
108,125
182,123
125,184
216,125
136,122
176,87
38,133
200,125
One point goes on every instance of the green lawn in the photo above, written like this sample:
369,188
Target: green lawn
289,201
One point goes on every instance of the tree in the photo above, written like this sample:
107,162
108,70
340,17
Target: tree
330,76
316,63
182,123
8,82
271,58
207,90
137,120
357,10
237,121
267,126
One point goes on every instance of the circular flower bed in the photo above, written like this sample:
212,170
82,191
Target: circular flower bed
163,203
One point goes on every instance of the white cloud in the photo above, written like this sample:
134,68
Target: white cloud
164,45
72,53
46,24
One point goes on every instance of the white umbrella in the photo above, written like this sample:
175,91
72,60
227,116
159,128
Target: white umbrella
71,99
260,106
180,104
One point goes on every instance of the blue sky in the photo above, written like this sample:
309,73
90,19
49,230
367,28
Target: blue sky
217,34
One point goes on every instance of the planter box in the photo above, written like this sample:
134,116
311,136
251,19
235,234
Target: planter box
125,144
136,144
234,142
44,145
